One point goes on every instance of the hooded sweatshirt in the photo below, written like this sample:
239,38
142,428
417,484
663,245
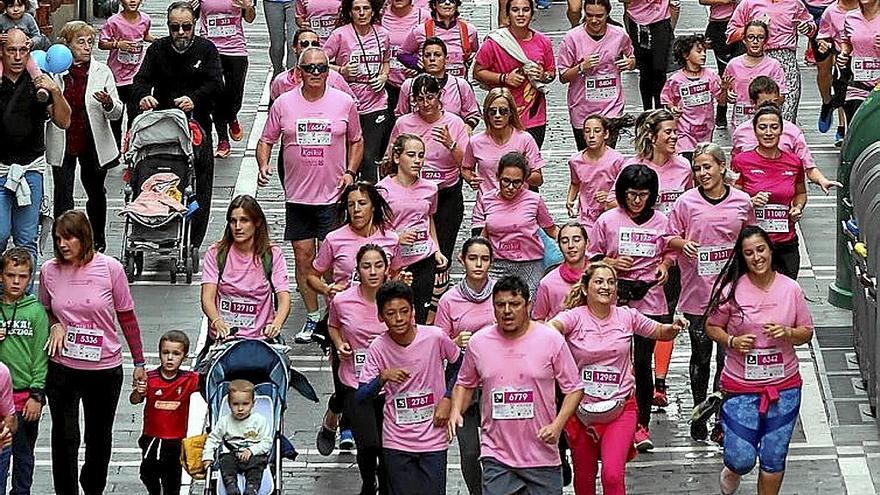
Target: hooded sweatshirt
22,351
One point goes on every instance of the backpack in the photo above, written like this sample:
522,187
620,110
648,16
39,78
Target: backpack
462,35
267,271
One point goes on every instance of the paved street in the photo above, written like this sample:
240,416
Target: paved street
836,448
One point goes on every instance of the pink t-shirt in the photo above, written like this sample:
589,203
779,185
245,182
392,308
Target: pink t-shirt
592,177
316,138
550,295
7,407
483,155
696,98
600,89
531,104
512,225
772,360
358,323
413,208
722,12
456,64
792,140
601,347
455,314
616,234
440,166
86,299
320,15
339,252
221,22
398,29
647,12
743,75
859,33
519,379
409,406
676,177
370,52
244,298
782,16
715,228
287,81
778,177
831,24
125,65
457,97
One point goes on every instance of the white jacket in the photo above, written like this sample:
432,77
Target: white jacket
100,78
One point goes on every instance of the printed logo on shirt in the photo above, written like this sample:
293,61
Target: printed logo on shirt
788,172
756,171
312,153
167,405
19,327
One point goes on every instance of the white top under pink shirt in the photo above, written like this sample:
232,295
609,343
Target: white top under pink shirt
358,323
777,176
743,75
86,299
455,58
319,15
244,298
339,252
792,140
772,360
591,177
124,64
714,226
287,81
370,51
518,400
601,347
695,97
455,314
316,138
512,225
676,177
413,207
551,293
440,166
457,97
615,234
220,21
859,33
600,89
646,12
398,29
786,15
409,405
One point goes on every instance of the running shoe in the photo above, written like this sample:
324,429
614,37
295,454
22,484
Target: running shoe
717,434
543,4
346,440
704,410
838,137
810,57
642,440
223,149
326,441
305,333
699,431
826,117
235,131
660,399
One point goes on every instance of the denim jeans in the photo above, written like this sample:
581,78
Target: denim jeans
23,444
5,458
281,21
21,222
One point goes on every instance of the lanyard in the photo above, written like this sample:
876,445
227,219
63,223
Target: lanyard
8,322
364,50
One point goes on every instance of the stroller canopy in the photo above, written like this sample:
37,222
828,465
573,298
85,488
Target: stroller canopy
159,132
252,360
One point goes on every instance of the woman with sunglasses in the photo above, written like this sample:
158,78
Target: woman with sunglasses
504,133
860,51
399,18
591,59
288,80
220,21
631,239
521,59
320,16
459,35
572,240
360,50
742,70
513,216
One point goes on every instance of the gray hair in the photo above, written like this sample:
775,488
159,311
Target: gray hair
312,49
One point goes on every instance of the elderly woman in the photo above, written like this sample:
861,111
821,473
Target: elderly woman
90,90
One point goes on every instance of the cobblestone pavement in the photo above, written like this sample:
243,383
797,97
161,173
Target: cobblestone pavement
836,448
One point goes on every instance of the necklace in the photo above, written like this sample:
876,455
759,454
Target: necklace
8,322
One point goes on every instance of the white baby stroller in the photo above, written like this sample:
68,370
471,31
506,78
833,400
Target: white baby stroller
160,194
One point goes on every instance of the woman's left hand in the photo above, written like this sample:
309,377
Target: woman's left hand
441,260
776,331
271,331
56,343
534,71
662,274
104,99
139,375
795,213
550,433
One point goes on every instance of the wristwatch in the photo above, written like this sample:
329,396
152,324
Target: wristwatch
351,173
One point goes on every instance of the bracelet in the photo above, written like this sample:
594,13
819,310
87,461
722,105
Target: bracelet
452,146
54,324
730,342
215,320
502,77
350,172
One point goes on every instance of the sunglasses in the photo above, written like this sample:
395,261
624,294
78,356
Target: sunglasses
447,2
314,69
502,111
177,27
306,44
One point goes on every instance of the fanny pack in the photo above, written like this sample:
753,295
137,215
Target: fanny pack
602,412
632,290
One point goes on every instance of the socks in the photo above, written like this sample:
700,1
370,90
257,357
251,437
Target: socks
314,316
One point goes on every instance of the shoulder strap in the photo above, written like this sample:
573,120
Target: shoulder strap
267,270
221,264
465,39
429,28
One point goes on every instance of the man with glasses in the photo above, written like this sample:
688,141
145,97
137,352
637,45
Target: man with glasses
183,71
322,154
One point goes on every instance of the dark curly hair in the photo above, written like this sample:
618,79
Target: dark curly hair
344,16
683,45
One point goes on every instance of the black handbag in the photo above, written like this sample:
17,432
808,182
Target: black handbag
632,290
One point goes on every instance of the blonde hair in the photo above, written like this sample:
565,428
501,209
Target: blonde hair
647,126
74,29
241,386
577,296
715,151
503,93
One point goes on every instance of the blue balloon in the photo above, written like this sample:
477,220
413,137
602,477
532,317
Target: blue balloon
39,58
58,58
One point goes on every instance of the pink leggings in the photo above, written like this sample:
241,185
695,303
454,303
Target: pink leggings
615,448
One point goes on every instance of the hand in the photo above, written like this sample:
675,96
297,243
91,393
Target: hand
32,410
408,73
600,196
589,62
140,386
441,260
795,213
826,185
126,46
139,375
350,70
394,375
271,331
625,63
244,455
43,81
184,103
731,96
221,329
475,181
680,324
5,436
3,38
690,249
405,277
345,181
2,334
407,238
462,339
761,199
344,351
571,208
206,464
805,28
263,177
661,274
623,263
550,433
56,342
454,423
727,82
514,78
824,46
441,135
378,83
441,412
334,289
676,111
104,99
243,4
743,343
148,103
775,331
877,41
533,71
842,60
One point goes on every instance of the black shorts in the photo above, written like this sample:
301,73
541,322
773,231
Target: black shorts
303,222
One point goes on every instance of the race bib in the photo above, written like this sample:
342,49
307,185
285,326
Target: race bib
360,359
323,25
431,175
601,381
221,25
773,218
711,259
130,58
396,64
602,87
418,247
369,64
865,69
457,69
238,312
742,112
313,132
695,94
634,241
666,199
764,364
84,344
508,403
413,407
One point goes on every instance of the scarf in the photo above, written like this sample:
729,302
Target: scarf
476,297
570,275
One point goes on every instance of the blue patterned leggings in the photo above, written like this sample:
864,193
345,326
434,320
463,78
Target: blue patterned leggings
748,436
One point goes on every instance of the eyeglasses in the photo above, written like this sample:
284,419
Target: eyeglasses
502,111
447,2
306,44
177,27
755,37
426,98
516,184
640,195
314,69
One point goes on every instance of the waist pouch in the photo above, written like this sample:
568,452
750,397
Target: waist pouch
602,412
632,290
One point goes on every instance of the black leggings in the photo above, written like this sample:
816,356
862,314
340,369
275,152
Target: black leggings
715,33
652,46
376,128
538,133
850,107
643,356
229,101
701,359
450,213
92,177
787,258
131,109
423,286
366,426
